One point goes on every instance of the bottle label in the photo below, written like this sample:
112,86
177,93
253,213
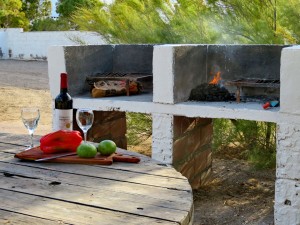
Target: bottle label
63,119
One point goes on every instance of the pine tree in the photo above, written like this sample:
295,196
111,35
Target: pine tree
149,21
194,21
258,21
11,14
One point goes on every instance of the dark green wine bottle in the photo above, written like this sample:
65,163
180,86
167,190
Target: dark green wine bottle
63,106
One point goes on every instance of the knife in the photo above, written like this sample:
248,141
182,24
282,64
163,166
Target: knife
55,156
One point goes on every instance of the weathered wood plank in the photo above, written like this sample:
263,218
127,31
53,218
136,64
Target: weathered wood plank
149,168
132,204
11,148
67,212
145,193
7,217
19,139
175,198
147,164
108,173
6,156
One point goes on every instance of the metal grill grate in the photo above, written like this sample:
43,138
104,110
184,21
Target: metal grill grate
118,76
254,83
110,74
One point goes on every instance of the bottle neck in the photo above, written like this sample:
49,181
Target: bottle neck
63,83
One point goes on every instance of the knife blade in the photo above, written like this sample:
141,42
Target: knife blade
55,156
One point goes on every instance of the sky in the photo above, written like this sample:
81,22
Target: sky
53,11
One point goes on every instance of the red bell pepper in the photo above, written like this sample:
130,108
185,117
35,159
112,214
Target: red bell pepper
60,141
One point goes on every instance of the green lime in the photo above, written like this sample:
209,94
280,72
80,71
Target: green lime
107,147
86,150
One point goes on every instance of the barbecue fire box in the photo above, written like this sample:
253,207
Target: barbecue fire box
241,73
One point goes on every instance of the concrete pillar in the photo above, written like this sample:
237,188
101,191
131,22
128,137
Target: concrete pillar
162,137
185,143
177,140
287,187
177,69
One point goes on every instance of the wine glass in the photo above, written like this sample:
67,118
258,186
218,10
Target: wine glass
84,118
30,118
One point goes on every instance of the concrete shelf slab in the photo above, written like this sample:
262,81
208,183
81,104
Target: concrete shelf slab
143,104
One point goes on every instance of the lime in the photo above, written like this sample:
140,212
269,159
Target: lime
107,147
86,150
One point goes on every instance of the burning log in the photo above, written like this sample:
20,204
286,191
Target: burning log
210,92
216,78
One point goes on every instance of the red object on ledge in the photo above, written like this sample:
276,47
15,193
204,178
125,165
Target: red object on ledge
267,105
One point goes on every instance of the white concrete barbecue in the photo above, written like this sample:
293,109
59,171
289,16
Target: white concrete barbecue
168,102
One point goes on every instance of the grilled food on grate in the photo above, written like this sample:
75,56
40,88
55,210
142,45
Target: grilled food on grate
106,88
113,84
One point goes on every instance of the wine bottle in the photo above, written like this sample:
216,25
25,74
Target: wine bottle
63,106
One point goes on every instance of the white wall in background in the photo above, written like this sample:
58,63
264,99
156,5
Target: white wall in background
34,45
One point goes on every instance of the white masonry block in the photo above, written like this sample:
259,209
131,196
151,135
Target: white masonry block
290,80
287,202
287,187
288,151
56,57
162,137
163,74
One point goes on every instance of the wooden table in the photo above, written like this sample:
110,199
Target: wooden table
122,193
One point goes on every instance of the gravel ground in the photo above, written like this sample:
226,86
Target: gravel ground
24,74
23,84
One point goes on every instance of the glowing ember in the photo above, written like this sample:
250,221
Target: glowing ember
216,79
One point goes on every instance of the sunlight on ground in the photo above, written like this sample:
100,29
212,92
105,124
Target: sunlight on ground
13,99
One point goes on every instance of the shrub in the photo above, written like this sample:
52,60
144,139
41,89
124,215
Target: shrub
256,141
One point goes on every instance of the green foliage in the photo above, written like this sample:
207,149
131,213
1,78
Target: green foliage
256,141
11,14
257,21
136,21
139,127
222,134
36,9
130,21
66,8
288,15
49,24
30,8
45,9
262,159
18,13
193,21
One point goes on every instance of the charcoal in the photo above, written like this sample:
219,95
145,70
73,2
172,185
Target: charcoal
211,93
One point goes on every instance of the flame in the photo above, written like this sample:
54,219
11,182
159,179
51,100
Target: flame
216,79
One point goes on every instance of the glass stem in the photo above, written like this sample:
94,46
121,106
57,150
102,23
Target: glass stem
85,136
31,140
